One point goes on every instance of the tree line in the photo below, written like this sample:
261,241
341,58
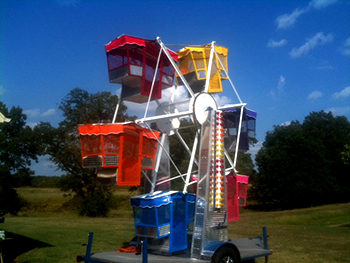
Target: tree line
299,165
305,164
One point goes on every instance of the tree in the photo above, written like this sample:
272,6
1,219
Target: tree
18,148
178,152
300,165
181,158
245,165
346,155
63,145
329,135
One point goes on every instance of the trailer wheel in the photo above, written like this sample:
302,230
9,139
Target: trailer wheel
225,255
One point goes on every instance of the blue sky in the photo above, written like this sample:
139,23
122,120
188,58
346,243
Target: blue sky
286,58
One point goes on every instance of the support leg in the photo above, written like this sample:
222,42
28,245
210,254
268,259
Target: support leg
145,251
266,245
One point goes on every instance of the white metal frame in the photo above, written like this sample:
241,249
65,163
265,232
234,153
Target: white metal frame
145,121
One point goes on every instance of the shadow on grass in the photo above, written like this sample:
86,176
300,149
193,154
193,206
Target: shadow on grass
15,245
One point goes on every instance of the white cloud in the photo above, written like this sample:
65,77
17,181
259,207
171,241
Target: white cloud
347,42
325,67
32,124
287,20
272,93
286,123
319,4
178,94
32,113
221,100
342,94
274,44
311,43
49,113
253,150
138,109
170,94
281,83
315,95
345,50
280,87
339,111
35,113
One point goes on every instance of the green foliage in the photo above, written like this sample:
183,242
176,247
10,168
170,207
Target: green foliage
181,157
245,165
300,165
178,153
10,201
346,154
63,145
96,204
18,147
45,181
80,107
17,142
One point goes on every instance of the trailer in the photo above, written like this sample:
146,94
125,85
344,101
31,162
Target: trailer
235,250
189,225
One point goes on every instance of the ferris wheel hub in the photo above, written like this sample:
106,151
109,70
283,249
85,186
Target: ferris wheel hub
200,106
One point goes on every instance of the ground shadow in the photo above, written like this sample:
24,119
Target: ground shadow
15,245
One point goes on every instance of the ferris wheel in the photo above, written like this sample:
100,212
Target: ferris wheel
147,68
124,152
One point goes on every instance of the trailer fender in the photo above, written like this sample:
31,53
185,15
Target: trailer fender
210,249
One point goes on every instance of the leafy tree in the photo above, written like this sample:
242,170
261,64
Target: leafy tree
300,165
346,155
63,145
42,181
18,148
329,135
181,158
178,153
245,165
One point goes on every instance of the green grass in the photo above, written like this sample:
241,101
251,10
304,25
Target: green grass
319,234
43,201
46,234
60,237
52,201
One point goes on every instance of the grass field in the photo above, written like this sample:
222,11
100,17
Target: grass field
44,232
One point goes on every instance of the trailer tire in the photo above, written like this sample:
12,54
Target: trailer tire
225,255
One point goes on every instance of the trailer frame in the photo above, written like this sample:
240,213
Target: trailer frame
245,248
